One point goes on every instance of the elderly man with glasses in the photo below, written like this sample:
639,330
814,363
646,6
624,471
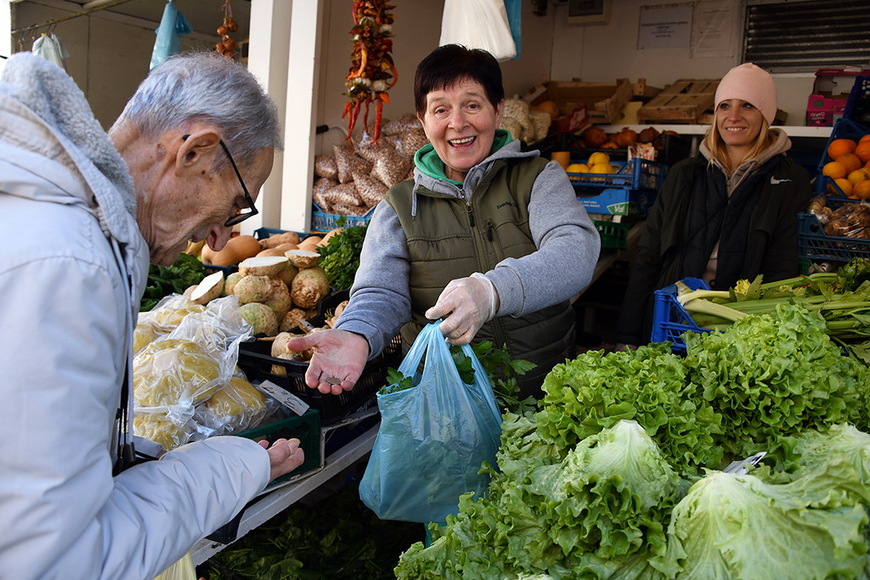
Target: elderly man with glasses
82,213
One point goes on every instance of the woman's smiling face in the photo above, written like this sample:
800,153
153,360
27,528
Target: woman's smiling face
460,122
738,122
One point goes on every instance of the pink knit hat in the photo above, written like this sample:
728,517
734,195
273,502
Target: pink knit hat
752,84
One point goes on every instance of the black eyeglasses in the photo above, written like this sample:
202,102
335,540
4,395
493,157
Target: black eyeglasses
242,214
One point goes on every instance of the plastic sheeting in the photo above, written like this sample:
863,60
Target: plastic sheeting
478,24
172,26
50,47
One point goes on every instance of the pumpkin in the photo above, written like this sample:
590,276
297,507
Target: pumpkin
594,137
625,138
548,107
236,250
648,135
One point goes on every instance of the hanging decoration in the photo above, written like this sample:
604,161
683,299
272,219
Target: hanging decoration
372,71
227,46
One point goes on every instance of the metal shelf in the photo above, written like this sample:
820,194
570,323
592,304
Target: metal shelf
790,130
276,499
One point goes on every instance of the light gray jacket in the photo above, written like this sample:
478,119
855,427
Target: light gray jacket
73,267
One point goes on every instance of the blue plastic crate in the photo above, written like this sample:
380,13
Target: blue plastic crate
617,201
670,319
843,129
858,106
323,222
815,244
635,174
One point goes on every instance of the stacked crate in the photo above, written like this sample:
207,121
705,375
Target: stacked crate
685,101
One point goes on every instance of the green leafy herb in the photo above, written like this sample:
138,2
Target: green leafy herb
337,538
174,279
339,258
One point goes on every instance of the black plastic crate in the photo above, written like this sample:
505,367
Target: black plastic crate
671,148
257,363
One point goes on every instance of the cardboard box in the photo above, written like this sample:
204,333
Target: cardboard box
604,101
830,94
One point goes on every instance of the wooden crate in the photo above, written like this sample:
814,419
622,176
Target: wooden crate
685,101
604,101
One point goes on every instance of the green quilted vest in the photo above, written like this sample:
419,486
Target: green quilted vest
449,239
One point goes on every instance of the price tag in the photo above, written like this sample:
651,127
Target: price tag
284,397
742,467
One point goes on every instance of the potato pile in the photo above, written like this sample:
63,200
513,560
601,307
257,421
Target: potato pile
356,177
278,289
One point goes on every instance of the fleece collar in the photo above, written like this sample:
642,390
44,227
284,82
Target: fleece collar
427,160
53,119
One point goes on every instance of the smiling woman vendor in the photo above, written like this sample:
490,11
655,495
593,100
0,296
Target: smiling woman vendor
728,214
485,236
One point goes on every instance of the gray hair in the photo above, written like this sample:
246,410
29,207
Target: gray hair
210,87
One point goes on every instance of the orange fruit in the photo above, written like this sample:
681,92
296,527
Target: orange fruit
834,170
864,138
845,187
863,150
862,190
839,147
859,174
850,161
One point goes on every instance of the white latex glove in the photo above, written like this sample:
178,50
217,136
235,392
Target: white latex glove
465,304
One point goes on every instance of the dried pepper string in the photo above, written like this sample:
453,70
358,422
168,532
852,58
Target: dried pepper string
372,71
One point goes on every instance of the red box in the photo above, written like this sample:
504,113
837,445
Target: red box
830,93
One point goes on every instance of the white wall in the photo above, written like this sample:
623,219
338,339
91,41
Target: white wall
603,52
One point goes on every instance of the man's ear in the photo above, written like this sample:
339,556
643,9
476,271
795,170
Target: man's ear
197,151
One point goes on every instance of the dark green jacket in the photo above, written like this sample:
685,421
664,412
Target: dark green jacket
457,239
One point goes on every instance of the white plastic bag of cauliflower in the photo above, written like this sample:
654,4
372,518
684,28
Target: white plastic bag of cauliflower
176,375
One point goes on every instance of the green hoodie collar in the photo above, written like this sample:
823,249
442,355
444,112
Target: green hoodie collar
427,160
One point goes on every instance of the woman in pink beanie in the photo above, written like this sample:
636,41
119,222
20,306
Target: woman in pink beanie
728,214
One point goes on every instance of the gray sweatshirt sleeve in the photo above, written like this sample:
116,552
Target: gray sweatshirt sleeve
380,298
568,247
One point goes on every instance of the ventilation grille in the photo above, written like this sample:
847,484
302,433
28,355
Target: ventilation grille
806,36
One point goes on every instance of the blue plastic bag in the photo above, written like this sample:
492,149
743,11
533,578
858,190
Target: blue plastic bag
168,40
433,437
514,11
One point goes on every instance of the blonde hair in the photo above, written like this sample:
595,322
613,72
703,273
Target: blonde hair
716,145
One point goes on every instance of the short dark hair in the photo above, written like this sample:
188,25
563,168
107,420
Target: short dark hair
448,64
